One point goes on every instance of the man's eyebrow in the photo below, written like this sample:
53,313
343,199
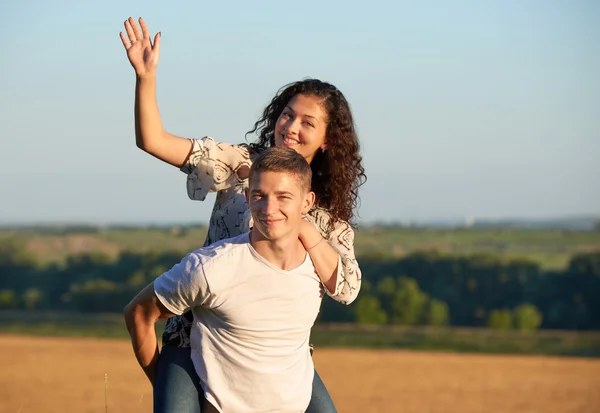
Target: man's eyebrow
258,191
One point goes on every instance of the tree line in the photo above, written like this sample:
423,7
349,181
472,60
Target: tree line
418,289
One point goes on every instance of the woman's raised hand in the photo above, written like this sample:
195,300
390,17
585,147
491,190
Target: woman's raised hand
141,52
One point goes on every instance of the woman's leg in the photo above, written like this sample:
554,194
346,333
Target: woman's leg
320,401
176,385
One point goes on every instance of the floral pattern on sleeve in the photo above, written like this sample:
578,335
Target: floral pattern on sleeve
212,166
341,238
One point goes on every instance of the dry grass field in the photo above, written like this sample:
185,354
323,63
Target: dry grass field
67,375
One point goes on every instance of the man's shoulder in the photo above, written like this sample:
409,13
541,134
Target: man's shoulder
222,250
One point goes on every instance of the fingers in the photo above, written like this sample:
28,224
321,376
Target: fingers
134,34
136,29
133,31
156,46
129,30
126,42
145,31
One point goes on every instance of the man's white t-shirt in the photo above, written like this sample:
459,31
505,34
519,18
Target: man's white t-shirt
252,321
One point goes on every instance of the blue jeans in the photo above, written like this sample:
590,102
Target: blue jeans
177,386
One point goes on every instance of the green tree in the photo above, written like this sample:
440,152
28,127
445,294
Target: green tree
32,298
366,287
500,320
436,313
386,286
8,299
409,303
156,272
100,295
137,279
92,286
385,291
369,311
527,317
14,253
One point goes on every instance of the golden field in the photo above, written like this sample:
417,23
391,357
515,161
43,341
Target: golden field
39,374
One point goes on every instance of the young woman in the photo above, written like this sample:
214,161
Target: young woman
314,119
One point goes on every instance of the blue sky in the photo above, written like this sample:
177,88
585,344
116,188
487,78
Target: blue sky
463,108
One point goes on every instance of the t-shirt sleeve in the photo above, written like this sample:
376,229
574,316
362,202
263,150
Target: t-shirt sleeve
212,166
184,286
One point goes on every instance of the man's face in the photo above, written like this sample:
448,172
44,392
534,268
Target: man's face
277,202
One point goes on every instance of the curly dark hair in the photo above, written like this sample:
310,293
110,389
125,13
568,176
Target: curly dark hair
337,171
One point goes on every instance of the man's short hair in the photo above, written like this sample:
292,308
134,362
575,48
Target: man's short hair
283,160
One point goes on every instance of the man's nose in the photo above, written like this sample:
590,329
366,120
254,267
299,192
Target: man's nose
271,206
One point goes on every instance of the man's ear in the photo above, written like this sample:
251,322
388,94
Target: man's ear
309,201
247,195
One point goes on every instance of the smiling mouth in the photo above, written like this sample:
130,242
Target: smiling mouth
270,221
288,141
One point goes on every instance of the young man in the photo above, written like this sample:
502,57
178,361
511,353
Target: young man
254,299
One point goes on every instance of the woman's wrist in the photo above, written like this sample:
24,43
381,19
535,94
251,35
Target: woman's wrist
146,76
309,236
317,243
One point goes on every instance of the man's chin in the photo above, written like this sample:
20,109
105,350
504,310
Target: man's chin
264,234
270,234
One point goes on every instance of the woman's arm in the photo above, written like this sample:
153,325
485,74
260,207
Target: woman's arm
149,133
332,255
324,257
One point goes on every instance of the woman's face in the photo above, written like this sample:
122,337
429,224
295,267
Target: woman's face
302,126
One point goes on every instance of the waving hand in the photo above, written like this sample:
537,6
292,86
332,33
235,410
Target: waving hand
141,52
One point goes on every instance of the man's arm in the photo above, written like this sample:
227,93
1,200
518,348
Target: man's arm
140,316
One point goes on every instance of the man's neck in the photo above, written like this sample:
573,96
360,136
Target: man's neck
287,253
